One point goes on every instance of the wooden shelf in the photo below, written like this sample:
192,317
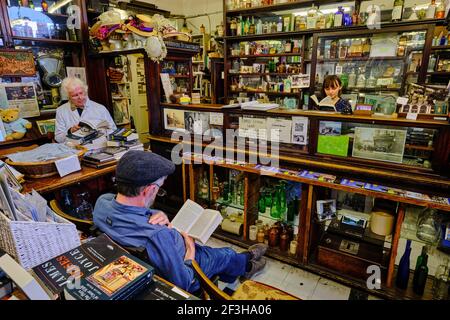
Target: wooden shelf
268,93
439,73
260,74
359,59
365,89
50,41
266,55
440,48
179,76
338,29
192,106
416,147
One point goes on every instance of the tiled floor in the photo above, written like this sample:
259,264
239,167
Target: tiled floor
296,281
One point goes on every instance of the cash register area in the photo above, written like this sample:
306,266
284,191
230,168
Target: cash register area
296,281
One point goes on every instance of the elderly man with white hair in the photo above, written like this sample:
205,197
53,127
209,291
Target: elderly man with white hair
79,107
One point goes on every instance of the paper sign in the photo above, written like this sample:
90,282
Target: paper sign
68,165
167,86
411,116
402,100
216,118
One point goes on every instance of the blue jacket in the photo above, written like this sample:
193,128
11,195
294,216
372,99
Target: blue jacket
128,225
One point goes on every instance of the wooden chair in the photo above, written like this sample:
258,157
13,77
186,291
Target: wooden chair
248,290
83,225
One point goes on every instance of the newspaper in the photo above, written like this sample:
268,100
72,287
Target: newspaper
49,151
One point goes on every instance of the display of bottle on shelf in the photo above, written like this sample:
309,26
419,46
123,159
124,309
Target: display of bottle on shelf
250,48
229,192
314,19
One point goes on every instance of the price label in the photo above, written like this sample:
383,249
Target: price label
402,101
411,116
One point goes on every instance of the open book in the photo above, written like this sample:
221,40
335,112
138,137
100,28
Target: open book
197,222
326,104
94,123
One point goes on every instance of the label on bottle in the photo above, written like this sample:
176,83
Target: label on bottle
397,13
338,20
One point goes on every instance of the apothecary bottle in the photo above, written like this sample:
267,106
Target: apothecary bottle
403,268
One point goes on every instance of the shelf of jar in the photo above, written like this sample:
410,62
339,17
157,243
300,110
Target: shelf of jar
289,54
267,217
179,76
416,147
334,29
260,74
45,40
229,204
446,47
267,92
439,73
366,89
268,8
322,60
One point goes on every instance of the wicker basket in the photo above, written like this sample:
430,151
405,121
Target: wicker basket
41,169
32,243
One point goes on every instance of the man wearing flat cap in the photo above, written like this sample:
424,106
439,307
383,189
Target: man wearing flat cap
128,219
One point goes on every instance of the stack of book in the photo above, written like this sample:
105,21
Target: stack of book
125,138
103,157
99,269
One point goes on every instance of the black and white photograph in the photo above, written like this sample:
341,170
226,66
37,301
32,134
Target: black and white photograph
300,130
174,119
326,209
196,122
21,96
379,144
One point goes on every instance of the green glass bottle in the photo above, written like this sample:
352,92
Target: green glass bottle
283,204
421,279
268,199
419,263
242,195
262,202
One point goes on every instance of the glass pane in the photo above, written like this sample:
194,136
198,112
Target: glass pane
371,63
40,21
412,146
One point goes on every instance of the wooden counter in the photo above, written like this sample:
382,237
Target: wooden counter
44,185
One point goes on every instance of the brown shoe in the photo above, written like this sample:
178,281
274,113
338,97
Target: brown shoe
257,266
257,250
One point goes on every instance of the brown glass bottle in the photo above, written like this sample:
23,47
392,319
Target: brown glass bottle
274,236
284,240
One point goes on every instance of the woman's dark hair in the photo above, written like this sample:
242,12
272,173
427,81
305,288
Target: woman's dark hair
331,81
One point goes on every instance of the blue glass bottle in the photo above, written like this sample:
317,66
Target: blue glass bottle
347,19
403,268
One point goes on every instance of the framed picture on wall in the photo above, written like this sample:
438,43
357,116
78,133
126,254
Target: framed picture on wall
16,63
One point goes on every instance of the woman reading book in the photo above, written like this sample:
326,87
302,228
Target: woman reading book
332,90
127,219
79,108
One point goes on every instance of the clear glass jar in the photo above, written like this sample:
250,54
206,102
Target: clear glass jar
427,226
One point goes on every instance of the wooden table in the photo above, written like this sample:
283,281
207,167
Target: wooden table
50,184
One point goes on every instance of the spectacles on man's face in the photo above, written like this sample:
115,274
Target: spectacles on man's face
161,191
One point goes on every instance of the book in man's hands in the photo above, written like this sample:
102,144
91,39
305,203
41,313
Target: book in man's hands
326,104
197,222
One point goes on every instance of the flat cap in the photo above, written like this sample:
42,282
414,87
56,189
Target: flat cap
140,168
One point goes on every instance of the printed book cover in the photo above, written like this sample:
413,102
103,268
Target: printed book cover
118,280
80,262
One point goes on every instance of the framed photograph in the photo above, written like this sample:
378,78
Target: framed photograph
300,81
16,63
379,144
326,209
354,221
174,119
406,108
77,72
21,95
196,122
46,126
330,128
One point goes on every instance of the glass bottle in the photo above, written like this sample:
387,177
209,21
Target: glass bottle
274,236
262,203
67,201
355,17
361,82
397,11
226,191
427,227
233,28
284,240
431,10
352,79
283,204
419,262
432,63
268,200
241,194
403,268
280,24
246,27
440,284
339,17
311,18
31,4
421,279
44,6
259,27
329,21
440,11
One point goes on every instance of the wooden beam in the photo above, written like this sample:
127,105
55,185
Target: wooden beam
394,248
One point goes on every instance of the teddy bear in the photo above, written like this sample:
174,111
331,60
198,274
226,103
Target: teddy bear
15,127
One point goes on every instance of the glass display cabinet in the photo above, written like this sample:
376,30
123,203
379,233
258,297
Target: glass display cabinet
371,63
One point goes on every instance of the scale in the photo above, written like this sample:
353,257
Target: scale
51,65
